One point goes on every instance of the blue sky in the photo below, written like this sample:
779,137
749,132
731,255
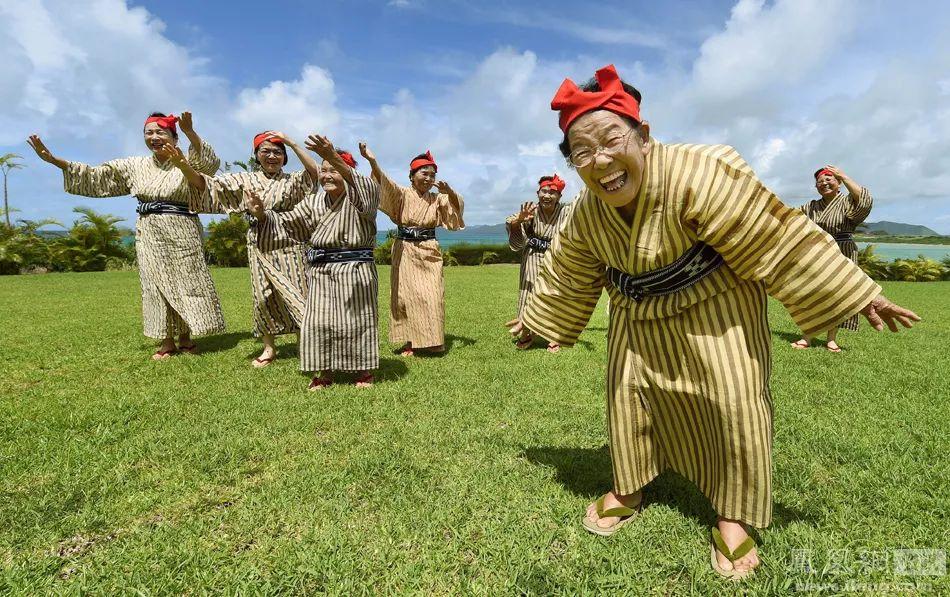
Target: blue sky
791,84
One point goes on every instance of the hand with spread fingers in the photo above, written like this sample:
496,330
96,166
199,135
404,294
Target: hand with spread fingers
254,204
444,188
170,151
321,146
43,152
528,209
186,123
366,152
881,311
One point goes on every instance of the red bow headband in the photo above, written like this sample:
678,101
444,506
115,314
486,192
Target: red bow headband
572,102
166,122
266,136
347,158
426,160
824,171
554,182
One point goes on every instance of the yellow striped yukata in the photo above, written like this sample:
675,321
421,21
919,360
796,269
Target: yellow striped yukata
518,235
278,271
417,299
178,294
340,327
688,373
842,215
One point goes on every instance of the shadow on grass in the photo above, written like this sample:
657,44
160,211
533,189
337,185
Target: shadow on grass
586,472
221,342
450,342
389,370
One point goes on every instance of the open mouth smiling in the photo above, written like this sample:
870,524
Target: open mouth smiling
614,181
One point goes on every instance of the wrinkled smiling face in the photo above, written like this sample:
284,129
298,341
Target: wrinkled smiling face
548,197
423,179
827,185
156,136
614,174
331,180
270,156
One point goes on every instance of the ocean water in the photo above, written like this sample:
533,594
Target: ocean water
887,251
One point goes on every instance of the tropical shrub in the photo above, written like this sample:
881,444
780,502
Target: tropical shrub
91,242
226,243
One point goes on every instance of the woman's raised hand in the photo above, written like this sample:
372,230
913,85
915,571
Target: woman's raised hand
527,212
186,123
170,151
444,188
366,152
254,204
40,148
321,146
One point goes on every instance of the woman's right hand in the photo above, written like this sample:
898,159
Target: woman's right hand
366,152
527,211
254,204
41,150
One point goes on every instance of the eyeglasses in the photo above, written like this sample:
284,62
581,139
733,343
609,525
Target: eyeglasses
583,156
267,153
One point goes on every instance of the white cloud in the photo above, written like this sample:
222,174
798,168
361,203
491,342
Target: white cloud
298,107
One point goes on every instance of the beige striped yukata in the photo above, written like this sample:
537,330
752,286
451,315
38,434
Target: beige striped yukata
688,373
842,215
178,294
340,324
518,241
417,300
278,271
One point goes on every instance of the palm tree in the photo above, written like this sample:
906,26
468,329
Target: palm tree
7,164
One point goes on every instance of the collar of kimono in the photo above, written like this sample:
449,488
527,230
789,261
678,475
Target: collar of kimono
258,139
426,160
554,182
347,158
166,122
824,171
572,102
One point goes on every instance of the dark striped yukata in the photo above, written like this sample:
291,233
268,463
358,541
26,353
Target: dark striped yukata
839,217
518,235
178,294
688,372
340,325
278,271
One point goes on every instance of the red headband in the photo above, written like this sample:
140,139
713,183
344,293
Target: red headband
554,182
266,136
572,102
166,122
347,158
426,160
824,171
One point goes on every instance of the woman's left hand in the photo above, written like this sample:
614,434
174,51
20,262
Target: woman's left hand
186,124
168,151
881,311
320,145
444,188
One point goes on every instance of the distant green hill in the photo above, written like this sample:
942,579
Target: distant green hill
898,229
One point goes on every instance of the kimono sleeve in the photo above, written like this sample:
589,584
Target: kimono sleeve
761,239
364,195
390,198
107,180
203,159
448,215
859,207
517,238
281,229
568,285
299,187
222,194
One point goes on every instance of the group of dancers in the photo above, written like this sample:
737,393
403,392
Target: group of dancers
685,239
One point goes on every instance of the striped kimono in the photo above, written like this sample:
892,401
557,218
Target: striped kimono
688,372
177,292
278,272
839,217
518,236
417,300
339,331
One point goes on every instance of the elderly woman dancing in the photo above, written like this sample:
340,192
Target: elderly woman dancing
530,232
417,300
838,215
278,272
178,295
688,243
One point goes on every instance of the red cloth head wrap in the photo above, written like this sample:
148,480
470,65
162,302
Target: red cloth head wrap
266,136
554,182
821,171
426,160
166,122
347,158
572,102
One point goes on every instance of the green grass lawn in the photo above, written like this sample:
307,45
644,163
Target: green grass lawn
466,473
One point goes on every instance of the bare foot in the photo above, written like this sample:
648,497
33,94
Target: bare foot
612,500
801,344
734,533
